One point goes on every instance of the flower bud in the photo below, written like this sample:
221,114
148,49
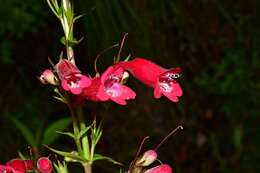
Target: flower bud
44,165
164,168
47,77
147,158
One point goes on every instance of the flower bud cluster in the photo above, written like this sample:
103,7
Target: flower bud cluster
44,165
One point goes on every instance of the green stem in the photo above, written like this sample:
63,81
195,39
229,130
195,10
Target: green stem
87,168
85,142
75,126
70,54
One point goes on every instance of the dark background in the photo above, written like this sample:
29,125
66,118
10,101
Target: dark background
216,42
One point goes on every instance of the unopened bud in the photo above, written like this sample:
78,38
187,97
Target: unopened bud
44,165
47,77
147,158
164,168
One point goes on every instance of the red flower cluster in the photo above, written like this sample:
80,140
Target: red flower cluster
44,165
110,85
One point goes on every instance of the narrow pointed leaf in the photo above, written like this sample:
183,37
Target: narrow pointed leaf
84,131
67,154
67,134
60,99
78,17
101,157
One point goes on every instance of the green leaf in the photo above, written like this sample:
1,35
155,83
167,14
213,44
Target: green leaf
61,167
67,134
50,134
84,131
60,99
237,138
101,157
68,154
78,17
27,134
63,40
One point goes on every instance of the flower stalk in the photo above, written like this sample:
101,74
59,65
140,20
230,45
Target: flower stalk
65,13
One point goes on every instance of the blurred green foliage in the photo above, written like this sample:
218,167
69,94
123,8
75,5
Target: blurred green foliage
215,41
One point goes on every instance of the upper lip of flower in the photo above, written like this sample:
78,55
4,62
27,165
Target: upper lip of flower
65,68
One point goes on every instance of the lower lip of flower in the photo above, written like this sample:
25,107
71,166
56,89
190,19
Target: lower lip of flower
112,92
166,87
111,86
73,80
73,84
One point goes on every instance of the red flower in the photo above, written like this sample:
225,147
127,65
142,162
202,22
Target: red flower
17,166
71,78
164,81
8,169
109,87
90,92
164,168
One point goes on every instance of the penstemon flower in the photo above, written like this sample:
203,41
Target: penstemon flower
163,81
111,87
71,78
17,166
8,169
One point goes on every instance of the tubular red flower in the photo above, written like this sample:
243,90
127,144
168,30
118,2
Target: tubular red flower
90,92
109,87
164,81
16,166
7,169
164,168
71,78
